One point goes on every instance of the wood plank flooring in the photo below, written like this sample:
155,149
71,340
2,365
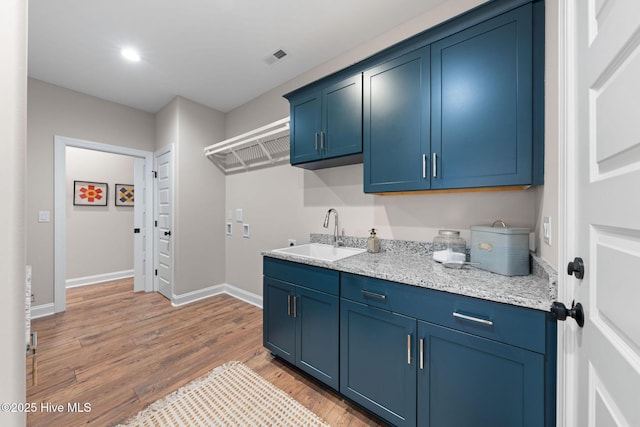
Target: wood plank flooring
119,351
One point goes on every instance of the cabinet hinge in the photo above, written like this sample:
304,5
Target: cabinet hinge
155,174
156,272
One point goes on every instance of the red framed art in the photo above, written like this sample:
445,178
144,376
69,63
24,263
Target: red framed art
87,193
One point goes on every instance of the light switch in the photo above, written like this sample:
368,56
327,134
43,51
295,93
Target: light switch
546,229
239,215
245,231
44,216
229,229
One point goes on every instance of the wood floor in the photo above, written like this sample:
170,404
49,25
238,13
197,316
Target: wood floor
119,351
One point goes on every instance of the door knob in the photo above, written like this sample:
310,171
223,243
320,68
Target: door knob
560,312
576,266
167,233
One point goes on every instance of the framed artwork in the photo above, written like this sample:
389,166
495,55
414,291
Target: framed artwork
86,193
124,195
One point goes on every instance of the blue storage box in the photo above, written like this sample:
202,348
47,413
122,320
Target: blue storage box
503,250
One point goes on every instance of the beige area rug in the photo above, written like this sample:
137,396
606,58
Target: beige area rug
230,395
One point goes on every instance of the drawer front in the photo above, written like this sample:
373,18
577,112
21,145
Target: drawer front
317,278
505,323
518,326
381,293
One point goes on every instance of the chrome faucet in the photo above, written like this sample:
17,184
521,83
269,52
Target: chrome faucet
337,240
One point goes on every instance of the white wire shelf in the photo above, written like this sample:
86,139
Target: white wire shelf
262,147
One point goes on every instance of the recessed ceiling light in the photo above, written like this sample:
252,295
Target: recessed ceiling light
130,54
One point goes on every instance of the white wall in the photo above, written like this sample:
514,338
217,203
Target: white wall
547,203
287,202
198,235
53,110
13,86
99,238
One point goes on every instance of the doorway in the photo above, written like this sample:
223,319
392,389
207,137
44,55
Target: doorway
143,270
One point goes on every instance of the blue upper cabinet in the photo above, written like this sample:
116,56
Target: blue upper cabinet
460,105
482,104
396,124
306,123
326,124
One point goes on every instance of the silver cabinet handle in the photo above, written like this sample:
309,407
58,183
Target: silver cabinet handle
424,165
321,140
288,305
409,349
295,307
435,165
373,295
315,140
472,319
421,353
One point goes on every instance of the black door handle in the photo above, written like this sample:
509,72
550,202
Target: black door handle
576,266
560,312
167,233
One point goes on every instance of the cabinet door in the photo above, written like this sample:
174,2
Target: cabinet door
397,124
317,343
481,104
466,380
342,118
279,327
306,122
377,361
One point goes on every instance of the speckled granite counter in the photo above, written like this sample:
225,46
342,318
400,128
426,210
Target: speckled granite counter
411,263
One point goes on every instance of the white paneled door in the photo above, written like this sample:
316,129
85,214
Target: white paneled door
603,220
164,218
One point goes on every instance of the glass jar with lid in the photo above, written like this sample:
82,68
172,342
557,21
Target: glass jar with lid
449,246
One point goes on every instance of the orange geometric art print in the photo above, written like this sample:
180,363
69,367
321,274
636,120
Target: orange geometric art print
87,193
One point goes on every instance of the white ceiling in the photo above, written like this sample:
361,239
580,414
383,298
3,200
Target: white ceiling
210,51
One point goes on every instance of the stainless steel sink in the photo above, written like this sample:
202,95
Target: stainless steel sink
320,251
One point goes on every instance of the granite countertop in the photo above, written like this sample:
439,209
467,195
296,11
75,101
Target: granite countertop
411,263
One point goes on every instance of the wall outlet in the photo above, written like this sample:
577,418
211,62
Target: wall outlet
245,231
229,229
546,229
44,216
291,242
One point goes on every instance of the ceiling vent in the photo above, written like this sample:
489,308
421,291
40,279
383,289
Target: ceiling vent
276,56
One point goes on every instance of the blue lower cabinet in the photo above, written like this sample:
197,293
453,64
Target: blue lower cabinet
377,361
395,350
317,344
279,326
466,380
301,325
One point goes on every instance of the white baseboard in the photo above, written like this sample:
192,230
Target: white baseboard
224,288
177,300
99,278
41,310
241,294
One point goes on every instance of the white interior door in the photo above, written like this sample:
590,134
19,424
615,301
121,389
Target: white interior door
164,218
603,370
